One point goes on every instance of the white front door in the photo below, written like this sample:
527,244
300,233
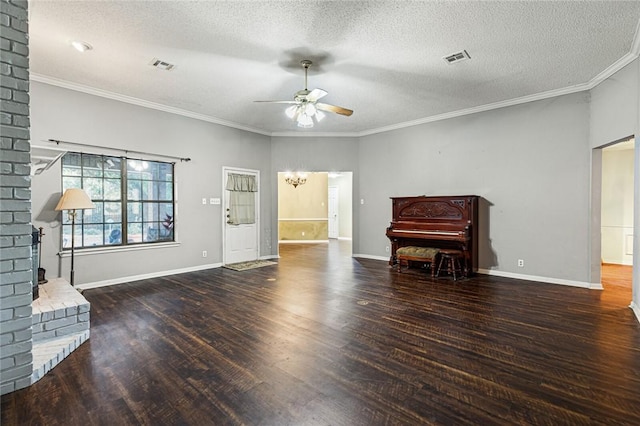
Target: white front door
334,230
240,241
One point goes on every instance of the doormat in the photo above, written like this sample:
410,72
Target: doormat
243,266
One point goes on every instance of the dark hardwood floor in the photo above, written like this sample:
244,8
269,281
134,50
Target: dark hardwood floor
326,339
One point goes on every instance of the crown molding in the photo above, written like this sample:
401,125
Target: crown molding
291,134
635,46
481,108
608,72
141,102
614,68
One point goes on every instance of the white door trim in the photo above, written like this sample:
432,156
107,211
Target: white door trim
225,171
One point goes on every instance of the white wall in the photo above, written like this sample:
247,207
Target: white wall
345,203
63,114
617,206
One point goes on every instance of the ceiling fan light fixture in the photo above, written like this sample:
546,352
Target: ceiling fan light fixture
305,121
310,109
291,111
304,110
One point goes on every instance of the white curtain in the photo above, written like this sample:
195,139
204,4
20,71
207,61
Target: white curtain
242,198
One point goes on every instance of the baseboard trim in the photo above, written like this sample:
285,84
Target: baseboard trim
369,256
122,280
549,280
303,241
271,256
636,310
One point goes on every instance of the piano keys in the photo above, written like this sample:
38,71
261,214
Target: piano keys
445,222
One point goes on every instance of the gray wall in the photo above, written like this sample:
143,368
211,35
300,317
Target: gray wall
614,115
69,115
317,154
530,163
614,106
15,206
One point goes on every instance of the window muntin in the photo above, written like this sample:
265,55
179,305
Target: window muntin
134,200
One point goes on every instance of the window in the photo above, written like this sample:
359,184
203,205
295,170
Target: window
133,199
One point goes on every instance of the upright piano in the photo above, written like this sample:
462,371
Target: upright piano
446,222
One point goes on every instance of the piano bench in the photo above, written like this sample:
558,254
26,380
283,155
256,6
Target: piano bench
404,255
450,259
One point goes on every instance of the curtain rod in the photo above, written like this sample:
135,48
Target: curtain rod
126,151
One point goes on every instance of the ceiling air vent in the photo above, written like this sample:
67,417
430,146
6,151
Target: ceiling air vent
162,65
457,57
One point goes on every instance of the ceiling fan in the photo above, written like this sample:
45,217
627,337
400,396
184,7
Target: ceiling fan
305,106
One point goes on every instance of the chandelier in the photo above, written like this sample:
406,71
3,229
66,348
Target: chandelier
297,179
304,114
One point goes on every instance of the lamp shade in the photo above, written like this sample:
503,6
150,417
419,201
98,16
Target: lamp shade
73,199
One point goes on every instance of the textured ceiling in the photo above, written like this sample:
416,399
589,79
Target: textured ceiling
382,59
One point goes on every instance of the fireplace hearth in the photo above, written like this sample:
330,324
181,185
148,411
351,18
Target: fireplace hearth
60,325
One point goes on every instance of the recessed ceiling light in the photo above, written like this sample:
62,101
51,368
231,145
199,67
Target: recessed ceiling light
81,46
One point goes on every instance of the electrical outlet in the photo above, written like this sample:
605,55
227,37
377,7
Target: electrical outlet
303,233
204,253
521,263
386,249
204,201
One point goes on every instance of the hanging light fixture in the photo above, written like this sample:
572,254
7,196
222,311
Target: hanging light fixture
299,178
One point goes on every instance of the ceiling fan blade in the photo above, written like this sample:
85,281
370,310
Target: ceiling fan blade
333,108
316,94
280,102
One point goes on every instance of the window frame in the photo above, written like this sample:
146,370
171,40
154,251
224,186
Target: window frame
158,177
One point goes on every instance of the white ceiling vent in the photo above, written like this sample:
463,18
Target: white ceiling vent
457,57
162,65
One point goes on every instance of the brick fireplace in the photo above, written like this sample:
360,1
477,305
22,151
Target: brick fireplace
60,324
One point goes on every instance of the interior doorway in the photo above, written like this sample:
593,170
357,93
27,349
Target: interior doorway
315,208
617,215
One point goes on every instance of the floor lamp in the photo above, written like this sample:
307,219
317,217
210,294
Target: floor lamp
72,200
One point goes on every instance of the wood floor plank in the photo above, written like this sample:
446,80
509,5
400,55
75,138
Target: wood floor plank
321,338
